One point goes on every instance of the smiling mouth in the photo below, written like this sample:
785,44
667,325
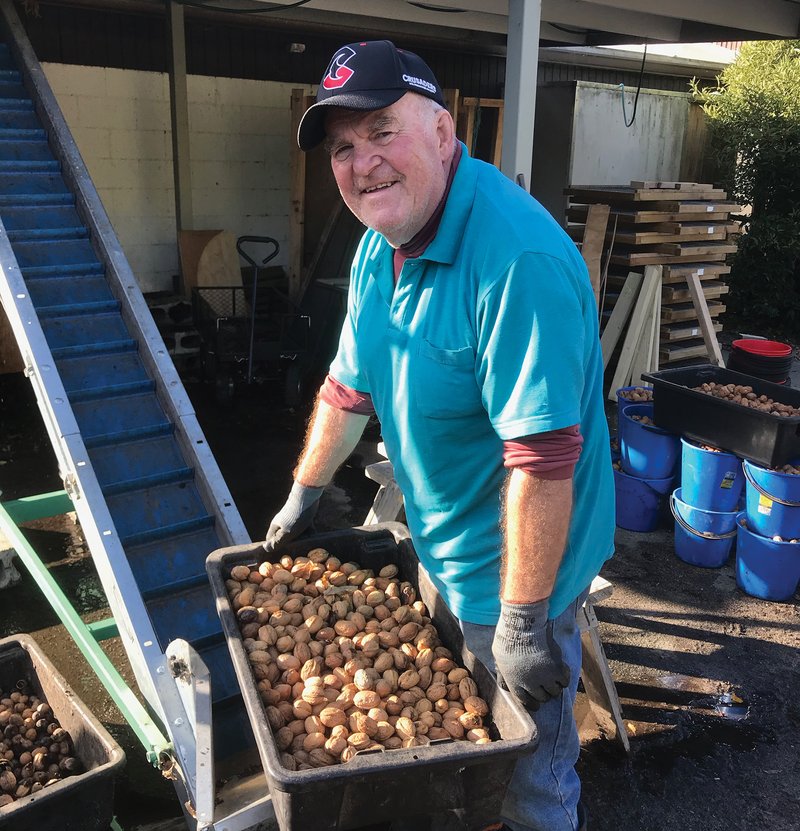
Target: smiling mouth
376,188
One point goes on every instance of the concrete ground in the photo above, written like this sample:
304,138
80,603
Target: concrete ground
707,675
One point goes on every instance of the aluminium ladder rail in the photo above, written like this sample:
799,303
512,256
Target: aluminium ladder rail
147,491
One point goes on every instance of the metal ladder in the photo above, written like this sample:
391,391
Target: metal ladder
147,491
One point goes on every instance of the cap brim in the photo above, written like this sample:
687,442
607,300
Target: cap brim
311,131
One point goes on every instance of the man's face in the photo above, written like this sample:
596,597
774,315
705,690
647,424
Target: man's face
391,164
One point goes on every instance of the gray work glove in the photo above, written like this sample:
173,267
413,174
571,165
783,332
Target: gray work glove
294,517
528,660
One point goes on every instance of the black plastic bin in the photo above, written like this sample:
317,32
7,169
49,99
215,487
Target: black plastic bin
85,801
760,437
450,776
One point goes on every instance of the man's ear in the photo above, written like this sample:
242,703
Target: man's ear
446,133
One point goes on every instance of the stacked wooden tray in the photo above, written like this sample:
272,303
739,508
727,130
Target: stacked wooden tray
686,228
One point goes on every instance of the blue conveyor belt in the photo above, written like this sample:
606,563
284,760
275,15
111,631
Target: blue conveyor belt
161,516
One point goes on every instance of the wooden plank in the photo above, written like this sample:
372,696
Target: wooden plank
705,271
643,354
654,360
297,203
497,139
681,351
643,307
634,258
618,318
594,236
722,212
677,236
706,326
616,194
686,311
466,120
683,186
687,249
677,332
598,681
496,103
681,294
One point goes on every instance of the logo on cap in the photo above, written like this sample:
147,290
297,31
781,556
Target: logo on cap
339,73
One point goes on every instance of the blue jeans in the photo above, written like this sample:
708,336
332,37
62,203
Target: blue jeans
544,789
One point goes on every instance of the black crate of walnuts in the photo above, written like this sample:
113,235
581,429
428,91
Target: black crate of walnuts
57,763
365,704
752,418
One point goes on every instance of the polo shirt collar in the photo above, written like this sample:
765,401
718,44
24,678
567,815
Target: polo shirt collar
445,245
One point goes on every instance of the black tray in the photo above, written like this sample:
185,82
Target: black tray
452,776
760,437
84,802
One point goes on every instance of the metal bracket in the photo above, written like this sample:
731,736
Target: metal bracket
193,683
71,486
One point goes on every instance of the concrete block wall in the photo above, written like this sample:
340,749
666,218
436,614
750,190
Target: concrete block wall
239,150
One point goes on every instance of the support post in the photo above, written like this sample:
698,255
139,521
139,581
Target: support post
297,211
522,59
179,116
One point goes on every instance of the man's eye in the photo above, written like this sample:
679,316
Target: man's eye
384,136
342,152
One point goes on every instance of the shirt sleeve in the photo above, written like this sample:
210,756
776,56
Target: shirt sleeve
343,397
531,350
550,455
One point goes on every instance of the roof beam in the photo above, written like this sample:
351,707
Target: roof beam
587,15
452,14
765,17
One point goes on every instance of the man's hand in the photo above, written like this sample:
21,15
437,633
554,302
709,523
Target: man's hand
294,517
529,662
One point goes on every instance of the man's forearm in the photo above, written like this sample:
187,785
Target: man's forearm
332,436
537,516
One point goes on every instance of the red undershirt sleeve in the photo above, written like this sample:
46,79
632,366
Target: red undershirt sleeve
550,455
341,397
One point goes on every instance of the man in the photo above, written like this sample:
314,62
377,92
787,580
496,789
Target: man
471,330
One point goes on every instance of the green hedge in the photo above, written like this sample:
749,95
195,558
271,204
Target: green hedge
754,118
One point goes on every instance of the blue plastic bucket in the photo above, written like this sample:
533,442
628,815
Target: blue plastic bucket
623,402
772,501
702,538
647,451
639,501
710,480
765,568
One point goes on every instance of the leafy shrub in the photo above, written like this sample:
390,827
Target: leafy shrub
754,118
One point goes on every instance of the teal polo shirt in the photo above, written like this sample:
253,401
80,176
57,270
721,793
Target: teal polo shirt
491,334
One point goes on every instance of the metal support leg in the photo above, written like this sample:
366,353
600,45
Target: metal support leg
597,679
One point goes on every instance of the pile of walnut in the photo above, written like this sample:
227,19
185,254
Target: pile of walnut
35,751
745,396
643,420
345,660
637,394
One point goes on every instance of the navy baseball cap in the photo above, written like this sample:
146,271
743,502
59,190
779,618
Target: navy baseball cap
366,76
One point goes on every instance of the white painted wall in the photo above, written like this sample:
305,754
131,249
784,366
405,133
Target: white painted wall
606,152
580,138
239,151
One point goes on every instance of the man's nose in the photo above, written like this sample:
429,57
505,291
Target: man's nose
365,159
